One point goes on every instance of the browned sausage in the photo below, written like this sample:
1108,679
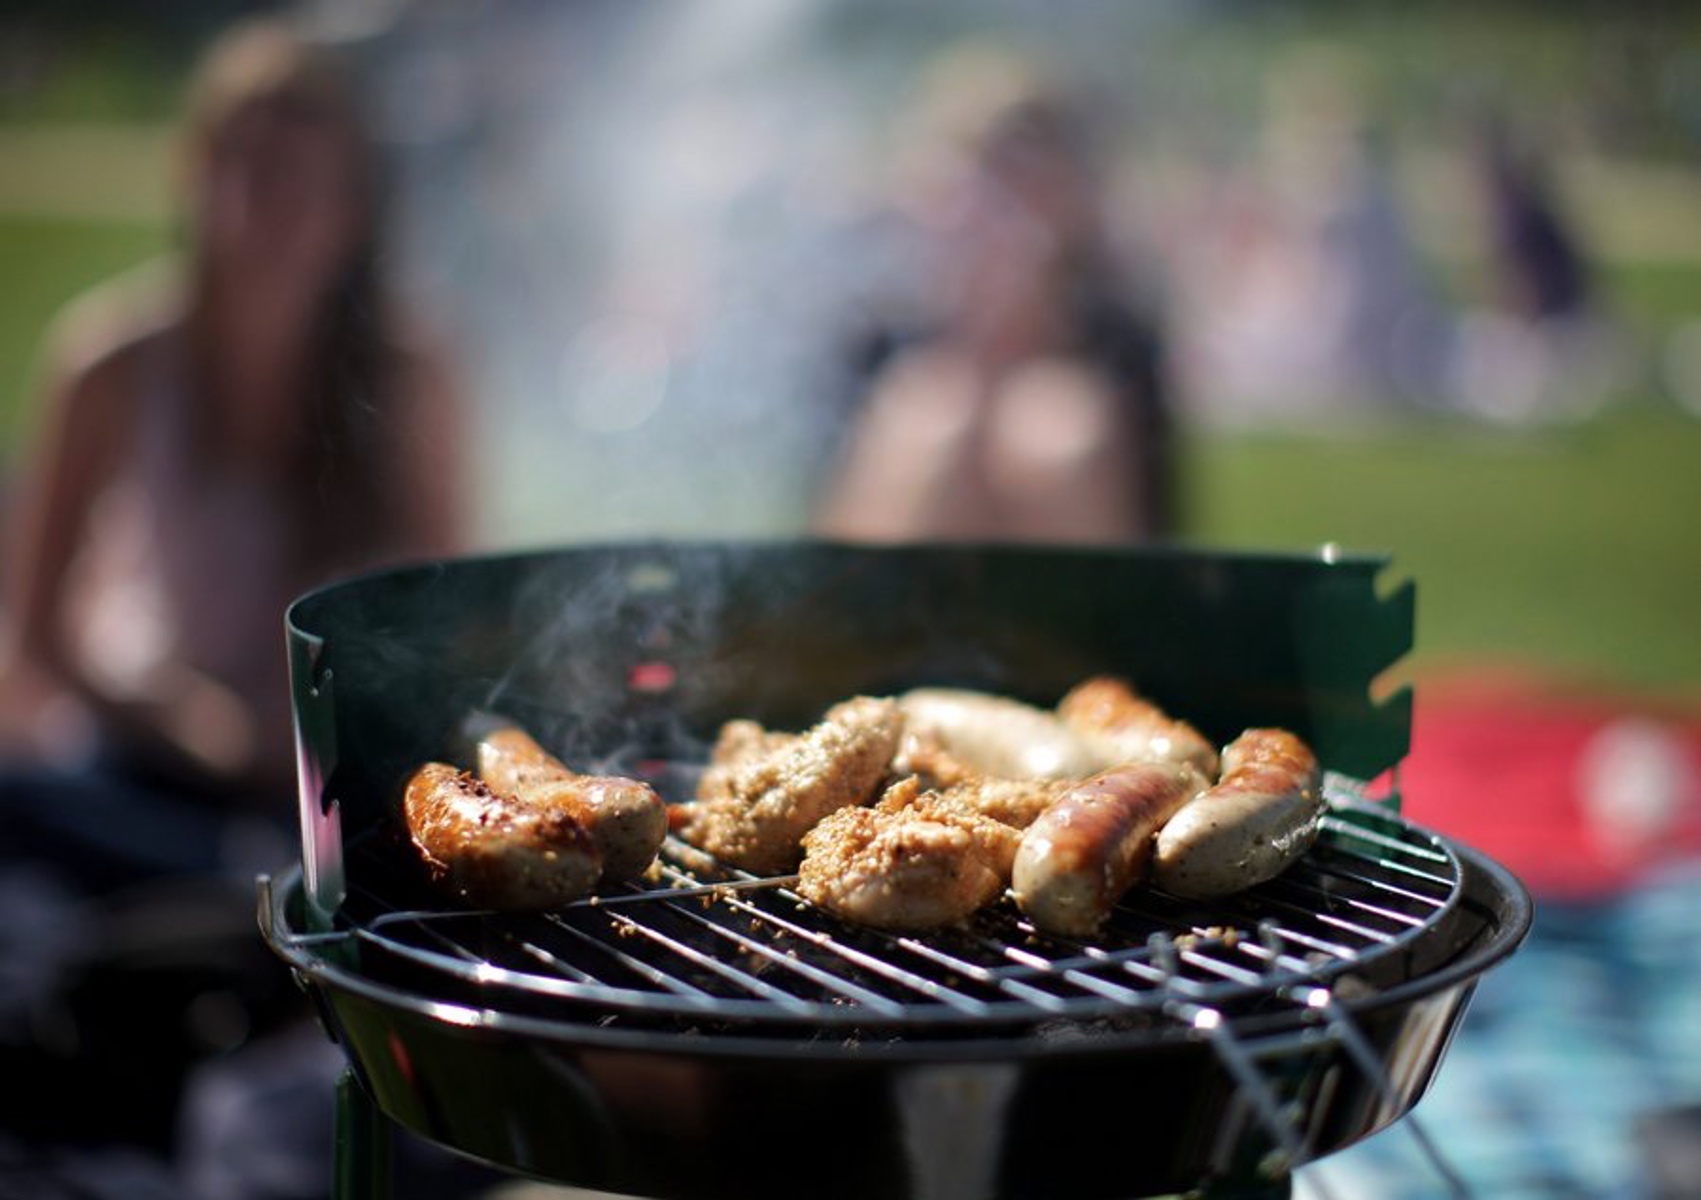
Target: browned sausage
510,759
495,850
1129,728
625,816
1252,826
1075,862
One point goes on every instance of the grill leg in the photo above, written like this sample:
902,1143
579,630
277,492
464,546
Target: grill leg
361,1169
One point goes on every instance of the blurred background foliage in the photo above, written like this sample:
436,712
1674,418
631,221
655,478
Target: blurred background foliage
1568,543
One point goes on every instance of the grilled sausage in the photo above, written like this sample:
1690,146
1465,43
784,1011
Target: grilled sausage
495,850
997,735
626,818
1075,862
1250,827
510,760
1126,727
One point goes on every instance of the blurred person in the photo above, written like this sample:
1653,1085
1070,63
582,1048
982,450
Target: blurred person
218,436
1025,400
1301,288
1538,345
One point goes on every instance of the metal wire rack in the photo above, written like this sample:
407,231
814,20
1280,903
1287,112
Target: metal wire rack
695,941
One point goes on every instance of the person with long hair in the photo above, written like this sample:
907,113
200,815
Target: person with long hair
220,433
1027,398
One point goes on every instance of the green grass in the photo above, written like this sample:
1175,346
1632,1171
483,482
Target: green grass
80,67
1651,297
44,262
1577,549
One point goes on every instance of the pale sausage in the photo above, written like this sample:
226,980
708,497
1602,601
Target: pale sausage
1264,814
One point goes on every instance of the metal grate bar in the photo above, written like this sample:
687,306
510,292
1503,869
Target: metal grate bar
1023,966
1325,863
1039,998
427,928
1369,871
707,962
699,938
1354,831
1162,982
1012,979
1326,874
1268,947
1217,966
950,962
830,983
641,967
823,979
1334,922
566,969
869,963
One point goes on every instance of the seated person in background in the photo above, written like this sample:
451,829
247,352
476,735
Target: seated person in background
1029,403
218,436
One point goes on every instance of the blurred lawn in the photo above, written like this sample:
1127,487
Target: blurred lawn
1575,549
44,262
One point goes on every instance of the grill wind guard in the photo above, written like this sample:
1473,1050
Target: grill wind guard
631,656
644,650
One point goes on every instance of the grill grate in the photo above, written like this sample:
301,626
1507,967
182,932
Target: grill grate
697,942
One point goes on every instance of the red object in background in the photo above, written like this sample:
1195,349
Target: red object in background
1578,795
652,677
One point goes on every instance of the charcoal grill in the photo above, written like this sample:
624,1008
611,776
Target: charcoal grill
705,1033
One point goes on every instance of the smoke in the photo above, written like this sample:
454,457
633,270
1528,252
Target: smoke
651,232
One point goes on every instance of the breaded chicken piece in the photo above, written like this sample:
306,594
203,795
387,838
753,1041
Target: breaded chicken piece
958,806
740,741
1129,728
916,860
1014,802
755,805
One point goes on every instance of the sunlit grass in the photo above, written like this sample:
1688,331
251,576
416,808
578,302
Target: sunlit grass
45,262
1576,548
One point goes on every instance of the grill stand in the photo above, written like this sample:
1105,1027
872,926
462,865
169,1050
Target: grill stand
360,1169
